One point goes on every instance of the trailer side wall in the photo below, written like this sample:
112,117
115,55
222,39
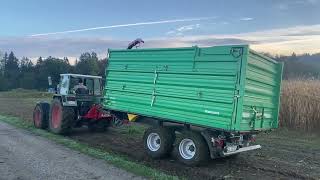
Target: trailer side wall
188,85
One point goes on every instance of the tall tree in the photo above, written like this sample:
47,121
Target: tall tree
50,67
25,64
66,60
2,79
102,66
27,74
88,64
39,61
3,63
11,71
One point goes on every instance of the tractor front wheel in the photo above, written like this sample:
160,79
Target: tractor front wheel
61,118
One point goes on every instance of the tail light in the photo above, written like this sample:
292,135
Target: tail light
252,138
218,142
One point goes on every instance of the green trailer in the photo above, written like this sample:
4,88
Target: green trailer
216,98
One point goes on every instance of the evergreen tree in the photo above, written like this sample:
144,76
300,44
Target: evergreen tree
1,63
88,64
4,61
39,61
11,71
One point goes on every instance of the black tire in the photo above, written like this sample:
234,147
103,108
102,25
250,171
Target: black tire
165,141
41,115
66,116
200,148
99,126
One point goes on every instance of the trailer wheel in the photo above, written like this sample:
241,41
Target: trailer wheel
191,149
41,115
158,142
61,118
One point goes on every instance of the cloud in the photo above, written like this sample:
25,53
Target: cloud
284,5
33,47
307,1
124,25
171,32
188,28
180,30
246,19
299,39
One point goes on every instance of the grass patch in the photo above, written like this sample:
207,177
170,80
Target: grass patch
131,129
24,93
116,160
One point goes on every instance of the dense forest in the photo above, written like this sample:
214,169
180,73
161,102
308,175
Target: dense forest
300,66
23,73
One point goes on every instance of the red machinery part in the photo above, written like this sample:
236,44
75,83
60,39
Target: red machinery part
96,113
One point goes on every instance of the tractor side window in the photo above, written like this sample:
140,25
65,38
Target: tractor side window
73,83
89,84
64,86
97,87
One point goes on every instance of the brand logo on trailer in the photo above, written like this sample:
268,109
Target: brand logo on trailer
212,112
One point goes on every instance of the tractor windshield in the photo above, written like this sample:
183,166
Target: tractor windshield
92,85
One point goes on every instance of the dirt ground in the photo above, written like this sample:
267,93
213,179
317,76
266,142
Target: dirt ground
24,156
284,154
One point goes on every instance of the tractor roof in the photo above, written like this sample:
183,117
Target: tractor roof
81,75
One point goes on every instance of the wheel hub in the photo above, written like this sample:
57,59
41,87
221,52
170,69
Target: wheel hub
153,142
187,149
191,148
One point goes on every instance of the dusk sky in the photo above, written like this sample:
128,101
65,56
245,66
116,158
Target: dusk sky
29,28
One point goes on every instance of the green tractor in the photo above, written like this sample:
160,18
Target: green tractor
76,103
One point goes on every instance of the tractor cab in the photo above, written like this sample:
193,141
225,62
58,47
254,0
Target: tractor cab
75,88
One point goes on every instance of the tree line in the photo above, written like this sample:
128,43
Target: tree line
23,73
300,66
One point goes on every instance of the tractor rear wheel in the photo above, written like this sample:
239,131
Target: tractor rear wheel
41,115
61,118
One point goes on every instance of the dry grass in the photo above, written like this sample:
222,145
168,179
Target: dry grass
24,93
300,105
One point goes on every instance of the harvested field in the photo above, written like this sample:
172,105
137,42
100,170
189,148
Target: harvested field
285,154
